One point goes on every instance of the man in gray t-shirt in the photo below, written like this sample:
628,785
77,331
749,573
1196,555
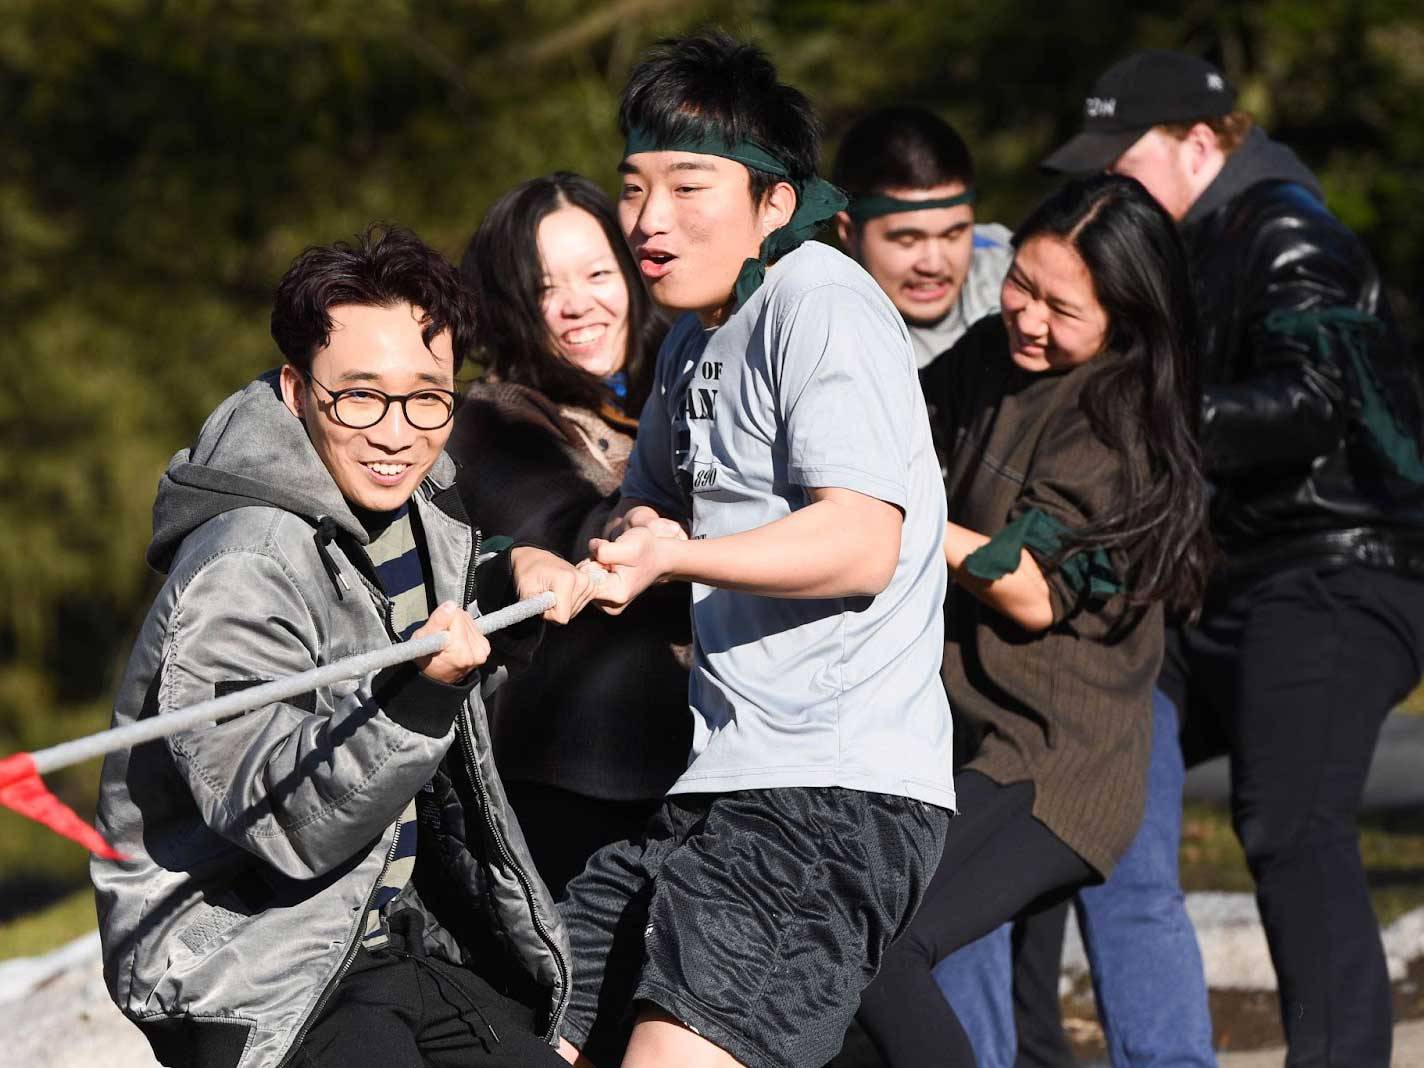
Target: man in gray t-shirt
910,223
784,467
810,384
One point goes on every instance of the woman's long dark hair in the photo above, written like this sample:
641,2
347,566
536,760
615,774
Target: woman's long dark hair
502,265
1143,398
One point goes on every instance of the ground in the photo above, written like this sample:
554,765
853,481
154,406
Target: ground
66,1017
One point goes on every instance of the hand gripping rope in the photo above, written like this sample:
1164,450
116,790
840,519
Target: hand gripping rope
22,790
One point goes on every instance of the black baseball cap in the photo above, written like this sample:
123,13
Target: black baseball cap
1142,91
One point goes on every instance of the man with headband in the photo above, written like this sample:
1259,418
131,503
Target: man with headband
910,223
787,433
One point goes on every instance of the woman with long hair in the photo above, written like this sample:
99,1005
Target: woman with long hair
1067,428
589,738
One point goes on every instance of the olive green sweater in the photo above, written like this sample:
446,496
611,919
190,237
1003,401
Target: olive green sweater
1068,708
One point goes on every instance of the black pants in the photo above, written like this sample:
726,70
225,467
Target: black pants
1037,946
1293,677
397,1008
563,829
998,862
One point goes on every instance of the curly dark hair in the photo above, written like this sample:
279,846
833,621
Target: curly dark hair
385,266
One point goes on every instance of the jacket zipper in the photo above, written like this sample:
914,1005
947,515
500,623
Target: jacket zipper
388,616
346,960
470,582
467,745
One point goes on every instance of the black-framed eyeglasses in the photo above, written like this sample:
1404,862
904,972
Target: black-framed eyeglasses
362,406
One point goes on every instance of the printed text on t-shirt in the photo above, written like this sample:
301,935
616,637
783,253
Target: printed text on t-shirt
700,402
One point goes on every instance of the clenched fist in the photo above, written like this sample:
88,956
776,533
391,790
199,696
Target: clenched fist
536,571
466,650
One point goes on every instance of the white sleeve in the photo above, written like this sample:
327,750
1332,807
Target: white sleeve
846,389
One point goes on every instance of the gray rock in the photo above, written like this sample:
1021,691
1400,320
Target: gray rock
1233,945
23,975
55,1013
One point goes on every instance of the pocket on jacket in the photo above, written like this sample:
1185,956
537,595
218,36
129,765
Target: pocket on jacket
214,921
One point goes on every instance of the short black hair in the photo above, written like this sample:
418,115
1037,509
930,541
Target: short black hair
503,267
385,266
901,148
713,84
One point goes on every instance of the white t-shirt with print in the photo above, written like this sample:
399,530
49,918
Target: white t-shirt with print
812,383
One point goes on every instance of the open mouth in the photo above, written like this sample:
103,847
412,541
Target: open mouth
585,336
927,291
386,473
655,263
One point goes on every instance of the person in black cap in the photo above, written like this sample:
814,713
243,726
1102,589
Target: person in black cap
1153,89
1312,418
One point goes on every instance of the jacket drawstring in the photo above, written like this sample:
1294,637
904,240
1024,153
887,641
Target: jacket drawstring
407,931
326,531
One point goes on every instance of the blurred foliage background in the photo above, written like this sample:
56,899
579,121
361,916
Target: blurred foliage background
162,162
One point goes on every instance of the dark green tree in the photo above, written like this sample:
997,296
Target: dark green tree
162,162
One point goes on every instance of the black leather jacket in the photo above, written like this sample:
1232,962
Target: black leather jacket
1290,439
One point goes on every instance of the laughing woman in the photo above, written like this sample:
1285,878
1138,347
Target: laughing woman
1076,503
588,739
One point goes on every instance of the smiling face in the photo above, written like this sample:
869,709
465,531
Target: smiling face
1051,307
691,223
585,298
377,468
920,258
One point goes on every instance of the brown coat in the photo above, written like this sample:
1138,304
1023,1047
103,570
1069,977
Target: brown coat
1070,708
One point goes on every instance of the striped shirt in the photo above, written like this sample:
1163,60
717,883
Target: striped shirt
396,556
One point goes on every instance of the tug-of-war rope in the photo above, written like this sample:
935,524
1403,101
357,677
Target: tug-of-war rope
23,791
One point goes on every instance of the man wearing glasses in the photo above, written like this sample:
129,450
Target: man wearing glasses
337,879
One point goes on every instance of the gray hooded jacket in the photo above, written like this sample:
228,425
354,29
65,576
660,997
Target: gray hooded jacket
255,844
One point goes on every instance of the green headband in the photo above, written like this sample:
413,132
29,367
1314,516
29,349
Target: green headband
747,153
872,207
817,201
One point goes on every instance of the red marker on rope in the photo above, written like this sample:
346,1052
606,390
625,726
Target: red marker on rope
23,790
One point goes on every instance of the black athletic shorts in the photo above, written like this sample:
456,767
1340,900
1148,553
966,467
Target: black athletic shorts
755,918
